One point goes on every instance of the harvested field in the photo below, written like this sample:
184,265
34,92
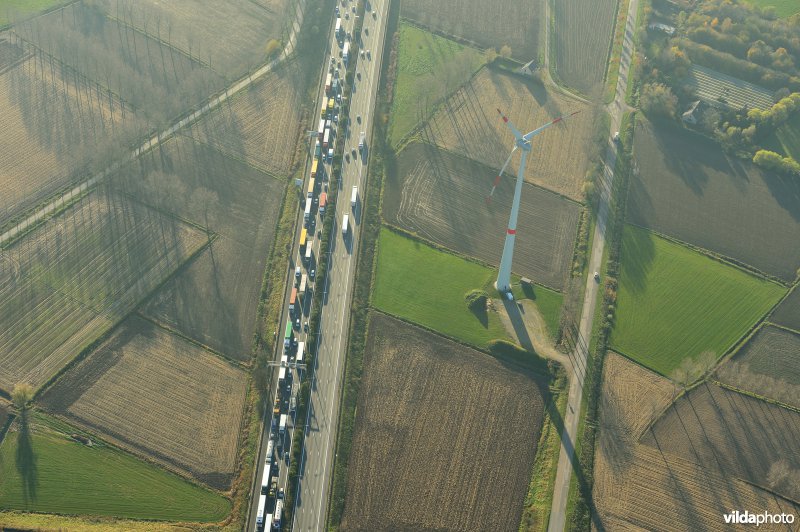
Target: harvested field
468,124
160,396
788,312
768,365
231,36
215,299
53,128
261,125
674,303
636,485
441,196
76,276
516,24
582,33
426,402
713,201
68,477
730,433
9,53
157,80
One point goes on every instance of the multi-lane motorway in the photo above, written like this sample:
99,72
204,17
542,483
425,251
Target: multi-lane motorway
336,289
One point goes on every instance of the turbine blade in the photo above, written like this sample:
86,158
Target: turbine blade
510,125
500,174
535,132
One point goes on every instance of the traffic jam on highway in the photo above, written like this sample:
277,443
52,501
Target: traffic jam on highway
314,202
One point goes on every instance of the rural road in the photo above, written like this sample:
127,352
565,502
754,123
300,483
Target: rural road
566,460
320,432
213,103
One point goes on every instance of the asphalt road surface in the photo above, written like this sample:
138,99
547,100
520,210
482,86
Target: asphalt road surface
567,459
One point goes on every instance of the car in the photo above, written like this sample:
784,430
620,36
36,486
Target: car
297,324
280,490
362,54
347,157
297,272
346,15
354,9
369,56
616,136
366,31
358,118
312,273
286,458
353,152
374,14
305,326
597,277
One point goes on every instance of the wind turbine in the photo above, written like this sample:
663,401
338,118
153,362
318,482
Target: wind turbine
523,142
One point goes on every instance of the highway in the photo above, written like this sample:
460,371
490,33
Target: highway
336,289
317,458
567,457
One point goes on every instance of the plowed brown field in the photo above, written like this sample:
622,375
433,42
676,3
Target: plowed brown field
445,436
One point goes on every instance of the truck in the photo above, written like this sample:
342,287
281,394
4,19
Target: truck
287,337
282,425
311,186
338,30
314,168
293,298
309,253
321,128
303,285
330,153
354,198
304,233
325,139
281,375
323,201
268,462
331,107
317,149
262,506
345,222
346,52
328,81
276,517
300,349
306,218
361,138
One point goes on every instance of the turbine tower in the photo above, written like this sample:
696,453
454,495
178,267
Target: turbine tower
523,142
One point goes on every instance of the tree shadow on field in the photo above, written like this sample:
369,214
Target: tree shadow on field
637,256
786,192
26,459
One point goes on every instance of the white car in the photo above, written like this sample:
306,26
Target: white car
597,276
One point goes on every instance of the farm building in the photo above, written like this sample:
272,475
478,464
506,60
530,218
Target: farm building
721,90
528,69
694,113
657,26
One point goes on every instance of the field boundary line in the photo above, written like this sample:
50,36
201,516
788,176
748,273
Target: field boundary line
782,327
754,395
469,258
175,332
723,259
40,13
45,219
460,40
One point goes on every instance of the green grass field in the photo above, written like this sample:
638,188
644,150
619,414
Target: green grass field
427,286
428,68
20,8
783,8
786,139
61,476
675,303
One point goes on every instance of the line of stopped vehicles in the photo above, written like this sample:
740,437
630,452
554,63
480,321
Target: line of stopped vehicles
315,201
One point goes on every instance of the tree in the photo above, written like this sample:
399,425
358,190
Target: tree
505,51
657,99
774,161
490,54
273,47
21,396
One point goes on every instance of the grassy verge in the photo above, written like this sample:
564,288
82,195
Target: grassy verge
616,50
676,303
428,68
539,500
427,286
46,471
